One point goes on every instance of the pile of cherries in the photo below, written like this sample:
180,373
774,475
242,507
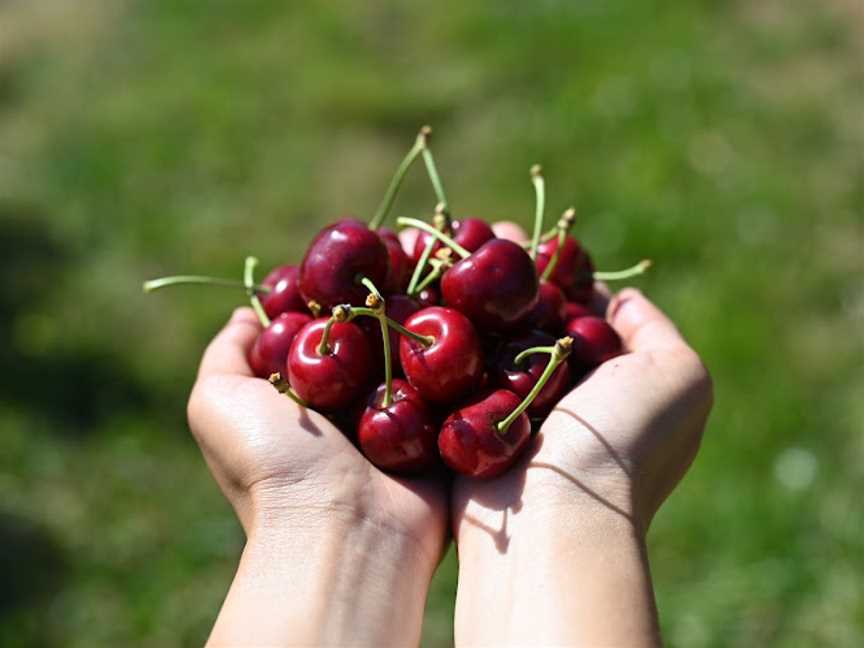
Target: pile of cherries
449,348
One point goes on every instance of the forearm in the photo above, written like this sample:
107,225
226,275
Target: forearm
575,576
351,584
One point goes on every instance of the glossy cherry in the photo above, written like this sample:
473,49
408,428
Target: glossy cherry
336,260
470,233
575,310
284,295
521,378
573,271
333,379
429,296
400,437
548,313
470,442
270,349
400,265
450,367
594,341
495,287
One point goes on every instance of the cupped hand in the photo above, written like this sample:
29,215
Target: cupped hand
277,462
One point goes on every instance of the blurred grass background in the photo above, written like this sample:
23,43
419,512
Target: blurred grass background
722,139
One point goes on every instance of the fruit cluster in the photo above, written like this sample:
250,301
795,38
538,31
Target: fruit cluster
448,348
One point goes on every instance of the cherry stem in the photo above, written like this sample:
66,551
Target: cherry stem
441,222
390,195
426,227
323,347
283,387
531,351
178,280
357,311
437,271
562,228
432,170
637,269
539,206
559,354
375,302
249,284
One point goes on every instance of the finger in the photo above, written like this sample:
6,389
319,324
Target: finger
641,325
510,231
227,353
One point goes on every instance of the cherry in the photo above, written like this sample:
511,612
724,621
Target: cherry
573,271
270,350
398,308
398,437
470,233
470,443
337,258
575,310
520,378
284,295
429,296
548,313
449,364
495,286
594,341
329,376
400,266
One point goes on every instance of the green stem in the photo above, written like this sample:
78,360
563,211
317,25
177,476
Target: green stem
323,347
388,361
370,286
418,269
531,351
436,272
249,284
637,269
559,354
425,340
177,280
432,170
446,240
283,387
390,195
562,228
539,206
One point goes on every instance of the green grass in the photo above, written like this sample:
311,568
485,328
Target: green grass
723,140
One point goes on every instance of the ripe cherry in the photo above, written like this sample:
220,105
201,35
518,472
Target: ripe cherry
338,257
470,233
399,437
594,341
573,271
449,364
520,378
270,350
284,295
548,313
429,296
400,266
329,376
470,442
495,287
575,310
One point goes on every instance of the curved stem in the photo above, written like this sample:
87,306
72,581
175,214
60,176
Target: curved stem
370,286
432,170
425,340
436,272
388,361
426,227
637,269
178,280
249,284
531,351
539,206
562,228
418,269
559,354
323,347
393,188
283,387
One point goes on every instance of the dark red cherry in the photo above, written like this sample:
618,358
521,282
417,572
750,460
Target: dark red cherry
470,233
429,296
594,341
470,443
573,271
284,295
495,287
398,308
400,437
575,310
336,260
521,378
332,380
400,266
268,353
548,312
451,366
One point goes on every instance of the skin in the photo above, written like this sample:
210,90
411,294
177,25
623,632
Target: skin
337,552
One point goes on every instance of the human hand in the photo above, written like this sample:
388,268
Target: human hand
335,546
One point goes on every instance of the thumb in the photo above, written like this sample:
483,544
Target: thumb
227,353
641,325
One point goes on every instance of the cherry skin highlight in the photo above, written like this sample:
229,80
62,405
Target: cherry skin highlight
284,295
429,296
401,437
594,341
469,441
521,378
470,233
336,260
270,350
337,378
495,287
451,367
